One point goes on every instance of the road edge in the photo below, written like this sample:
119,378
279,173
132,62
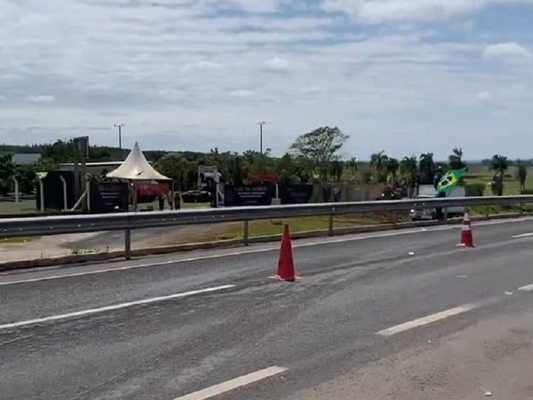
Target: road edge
161,250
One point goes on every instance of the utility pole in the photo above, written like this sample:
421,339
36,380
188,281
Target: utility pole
119,126
261,137
81,150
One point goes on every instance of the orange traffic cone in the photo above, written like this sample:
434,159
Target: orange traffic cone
286,262
466,239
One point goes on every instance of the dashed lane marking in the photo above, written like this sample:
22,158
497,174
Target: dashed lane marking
83,313
426,320
233,384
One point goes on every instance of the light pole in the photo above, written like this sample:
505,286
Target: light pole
119,126
261,137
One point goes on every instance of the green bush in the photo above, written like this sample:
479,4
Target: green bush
475,189
526,192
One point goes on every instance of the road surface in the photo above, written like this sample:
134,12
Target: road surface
388,315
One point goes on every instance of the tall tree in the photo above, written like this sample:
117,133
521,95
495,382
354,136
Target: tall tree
379,162
320,147
426,168
175,167
336,170
7,171
409,172
455,160
499,164
352,165
392,169
521,174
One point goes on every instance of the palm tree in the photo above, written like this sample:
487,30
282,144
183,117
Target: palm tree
499,164
409,172
426,167
352,165
392,168
336,169
521,174
455,160
379,162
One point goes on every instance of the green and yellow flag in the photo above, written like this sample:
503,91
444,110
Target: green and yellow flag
450,180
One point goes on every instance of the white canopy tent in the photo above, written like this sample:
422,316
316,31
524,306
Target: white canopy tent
136,168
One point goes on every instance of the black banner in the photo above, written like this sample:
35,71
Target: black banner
249,195
109,197
295,194
262,194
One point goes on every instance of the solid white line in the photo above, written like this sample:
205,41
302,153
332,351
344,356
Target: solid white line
113,307
233,384
322,242
425,320
527,288
523,235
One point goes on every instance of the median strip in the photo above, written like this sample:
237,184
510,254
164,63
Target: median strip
83,313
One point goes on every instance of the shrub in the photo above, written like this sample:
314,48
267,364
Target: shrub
475,189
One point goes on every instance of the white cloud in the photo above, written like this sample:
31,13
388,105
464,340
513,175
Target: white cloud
181,75
242,93
484,96
277,64
42,99
377,11
507,52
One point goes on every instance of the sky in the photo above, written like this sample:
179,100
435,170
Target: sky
403,76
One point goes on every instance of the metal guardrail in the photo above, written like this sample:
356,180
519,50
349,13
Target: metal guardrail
55,225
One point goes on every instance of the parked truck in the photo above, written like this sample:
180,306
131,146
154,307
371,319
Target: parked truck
429,192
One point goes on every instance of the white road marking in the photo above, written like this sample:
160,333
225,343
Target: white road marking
426,320
113,307
233,384
527,288
522,235
255,251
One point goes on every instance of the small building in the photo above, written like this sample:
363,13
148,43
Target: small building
93,167
23,159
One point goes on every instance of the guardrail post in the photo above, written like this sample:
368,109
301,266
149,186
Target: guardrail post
246,232
330,224
487,212
521,209
127,244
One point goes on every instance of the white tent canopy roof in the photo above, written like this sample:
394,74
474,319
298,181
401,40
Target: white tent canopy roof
136,168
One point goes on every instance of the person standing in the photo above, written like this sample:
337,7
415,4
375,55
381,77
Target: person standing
439,215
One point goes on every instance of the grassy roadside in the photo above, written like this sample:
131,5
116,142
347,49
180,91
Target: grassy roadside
18,240
235,230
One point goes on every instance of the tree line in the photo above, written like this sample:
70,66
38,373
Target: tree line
314,157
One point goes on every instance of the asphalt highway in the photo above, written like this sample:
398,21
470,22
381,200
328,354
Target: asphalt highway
213,324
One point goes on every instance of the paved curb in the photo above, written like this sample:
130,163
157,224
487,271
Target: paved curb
92,258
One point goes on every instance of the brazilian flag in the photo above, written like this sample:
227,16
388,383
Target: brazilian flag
449,181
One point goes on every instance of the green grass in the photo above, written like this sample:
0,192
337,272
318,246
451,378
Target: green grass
18,240
511,186
189,206
227,231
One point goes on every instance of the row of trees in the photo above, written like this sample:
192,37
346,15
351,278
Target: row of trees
313,157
